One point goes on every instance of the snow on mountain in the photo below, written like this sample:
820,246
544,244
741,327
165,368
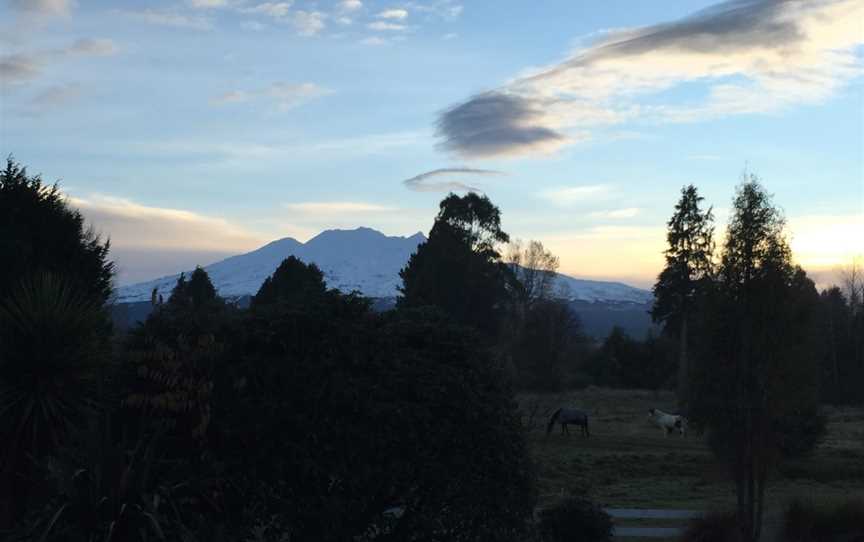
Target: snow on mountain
574,289
362,259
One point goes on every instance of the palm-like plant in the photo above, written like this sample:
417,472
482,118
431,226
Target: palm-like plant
52,345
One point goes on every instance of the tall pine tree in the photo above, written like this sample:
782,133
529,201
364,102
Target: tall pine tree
688,262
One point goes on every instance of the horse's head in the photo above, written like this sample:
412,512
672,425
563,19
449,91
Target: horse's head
651,412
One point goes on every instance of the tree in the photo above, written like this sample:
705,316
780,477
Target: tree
758,376
373,412
55,280
688,263
293,283
534,268
458,269
40,232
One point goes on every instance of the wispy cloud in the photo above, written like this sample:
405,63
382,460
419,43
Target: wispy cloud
55,96
350,5
276,10
385,26
569,195
446,179
755,56
133,225
208,4
173,18
43,7
393,14
19,67
285,95
628,212
336,207
309,23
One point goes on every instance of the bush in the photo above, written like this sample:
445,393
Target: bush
798,434
574,516
826,522
715,527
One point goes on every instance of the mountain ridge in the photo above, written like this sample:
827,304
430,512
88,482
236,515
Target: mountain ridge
361,259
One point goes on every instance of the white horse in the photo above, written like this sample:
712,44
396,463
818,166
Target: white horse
668,422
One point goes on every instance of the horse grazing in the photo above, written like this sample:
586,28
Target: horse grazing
567,416
668,422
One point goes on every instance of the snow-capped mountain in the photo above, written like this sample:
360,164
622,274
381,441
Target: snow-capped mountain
362,259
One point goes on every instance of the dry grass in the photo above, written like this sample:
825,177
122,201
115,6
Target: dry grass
627,462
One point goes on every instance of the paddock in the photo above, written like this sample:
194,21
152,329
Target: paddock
629,464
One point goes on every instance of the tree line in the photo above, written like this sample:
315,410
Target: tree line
308,416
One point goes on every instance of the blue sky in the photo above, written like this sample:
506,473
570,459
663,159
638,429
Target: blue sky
189,130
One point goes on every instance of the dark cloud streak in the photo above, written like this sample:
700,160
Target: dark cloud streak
420,183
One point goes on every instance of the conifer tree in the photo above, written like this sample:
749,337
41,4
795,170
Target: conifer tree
688,262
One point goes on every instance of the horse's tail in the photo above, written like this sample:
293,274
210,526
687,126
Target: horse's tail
552,421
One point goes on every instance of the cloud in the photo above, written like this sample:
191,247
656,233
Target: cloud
20,67
374,40
498,123
43,7
285,95
208,4
55,96
381,25
149,242
133,225
628,212
393,14
420,183
336,207
172,18
92,46
350,5
570,195
255,26
753,56
276,10
309,23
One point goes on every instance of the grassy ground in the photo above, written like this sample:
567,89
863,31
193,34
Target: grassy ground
629,463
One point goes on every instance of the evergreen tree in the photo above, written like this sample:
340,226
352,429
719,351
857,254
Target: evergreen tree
688,262
459,269
40,232
293,283
758,370
55,280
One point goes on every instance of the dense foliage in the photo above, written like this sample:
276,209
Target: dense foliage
40,232
306,417
574,518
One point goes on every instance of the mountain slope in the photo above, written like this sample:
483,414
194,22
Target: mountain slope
362,259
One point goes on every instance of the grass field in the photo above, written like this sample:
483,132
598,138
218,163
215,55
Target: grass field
629,463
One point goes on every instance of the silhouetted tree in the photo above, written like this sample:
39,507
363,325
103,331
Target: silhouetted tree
688,262
55,280
459,269
293,283
534,269
758,373
40,232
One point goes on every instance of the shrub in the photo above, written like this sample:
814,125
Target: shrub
827,522
715,527
574,516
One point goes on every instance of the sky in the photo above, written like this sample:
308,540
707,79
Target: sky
189,130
